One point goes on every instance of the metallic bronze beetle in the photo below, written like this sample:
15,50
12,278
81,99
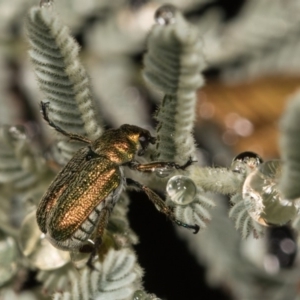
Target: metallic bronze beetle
77,204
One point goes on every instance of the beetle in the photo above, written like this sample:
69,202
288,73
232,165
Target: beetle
78,202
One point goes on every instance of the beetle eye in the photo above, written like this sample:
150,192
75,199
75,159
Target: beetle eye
144,142
142,139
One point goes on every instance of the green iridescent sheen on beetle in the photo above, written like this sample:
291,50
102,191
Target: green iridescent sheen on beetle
77,204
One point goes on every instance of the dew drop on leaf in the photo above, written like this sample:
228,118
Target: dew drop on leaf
163,172
262,197
165,15
141,295
138,295
181,190
8,257
245,162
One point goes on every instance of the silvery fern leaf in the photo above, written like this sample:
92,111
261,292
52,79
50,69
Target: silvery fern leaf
118,223
58,279
10,167
261,26
243,221
173,64
195,212
217,180
19,165
9,293
117,278
289,146
61,77
174,59
296,223
176,119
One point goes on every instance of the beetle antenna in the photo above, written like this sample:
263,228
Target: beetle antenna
71,136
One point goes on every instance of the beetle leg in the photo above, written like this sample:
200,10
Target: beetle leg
160,204
103,219
154,166
71,136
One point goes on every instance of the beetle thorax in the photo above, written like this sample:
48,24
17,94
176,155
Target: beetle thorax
116,146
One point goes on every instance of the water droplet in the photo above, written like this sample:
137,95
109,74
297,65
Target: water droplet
245,162
8,258
262,197
163,172
46,3
181,189
165,15
37,249
139,295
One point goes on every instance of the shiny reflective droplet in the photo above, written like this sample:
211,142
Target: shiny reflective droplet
165,15
46,3
181,190
262,197
245,162
139,295
8,258
163,172
37,249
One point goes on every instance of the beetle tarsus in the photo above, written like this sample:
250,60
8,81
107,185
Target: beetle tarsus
158,165
195,227
97,245
187,164
90,264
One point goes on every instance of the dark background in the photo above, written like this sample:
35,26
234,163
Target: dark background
171,272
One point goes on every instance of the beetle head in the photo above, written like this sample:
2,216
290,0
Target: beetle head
141,137
145,139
